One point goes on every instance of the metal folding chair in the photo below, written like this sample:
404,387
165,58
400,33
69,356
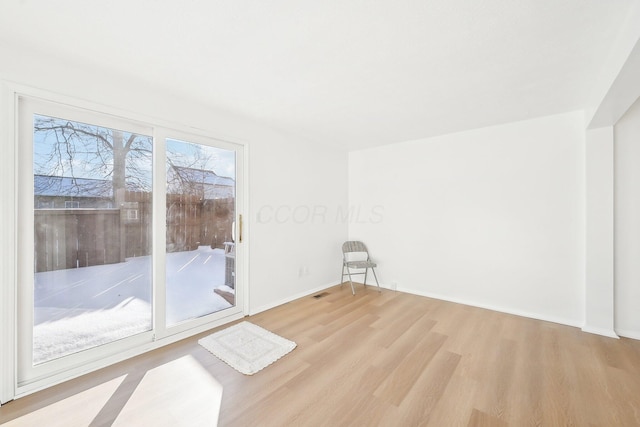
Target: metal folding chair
356,256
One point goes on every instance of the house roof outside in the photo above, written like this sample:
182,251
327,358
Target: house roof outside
64,186
203,176
206,183
213,185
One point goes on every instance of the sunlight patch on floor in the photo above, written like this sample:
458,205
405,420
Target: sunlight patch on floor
77,410
154,401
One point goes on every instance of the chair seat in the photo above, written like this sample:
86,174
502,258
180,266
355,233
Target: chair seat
361,264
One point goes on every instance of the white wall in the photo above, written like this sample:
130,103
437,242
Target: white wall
284,170
492,217
627,223
296,237
599,280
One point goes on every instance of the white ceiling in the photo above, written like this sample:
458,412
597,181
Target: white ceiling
355,72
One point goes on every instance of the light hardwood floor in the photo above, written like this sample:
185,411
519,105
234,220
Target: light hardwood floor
373,359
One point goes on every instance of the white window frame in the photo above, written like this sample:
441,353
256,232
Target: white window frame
8,239
132,214
71,204
9,190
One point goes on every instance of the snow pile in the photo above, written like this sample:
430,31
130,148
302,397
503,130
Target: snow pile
82,308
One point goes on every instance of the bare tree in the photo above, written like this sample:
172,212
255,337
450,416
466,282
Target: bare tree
80,150
188,169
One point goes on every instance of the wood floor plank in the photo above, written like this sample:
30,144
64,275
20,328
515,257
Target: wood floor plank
390,357
416,408
402,378
456,403
494,397
482,419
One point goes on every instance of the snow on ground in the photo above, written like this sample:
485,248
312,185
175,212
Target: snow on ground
80,308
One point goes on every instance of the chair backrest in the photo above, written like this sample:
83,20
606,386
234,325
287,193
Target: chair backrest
354,250
353,246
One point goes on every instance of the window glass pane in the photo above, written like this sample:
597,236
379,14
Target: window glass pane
200,263
92,249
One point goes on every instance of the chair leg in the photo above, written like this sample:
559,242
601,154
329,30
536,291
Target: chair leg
342,278
376,277
366,270
353,291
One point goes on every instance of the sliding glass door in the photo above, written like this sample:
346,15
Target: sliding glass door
200,258
127,236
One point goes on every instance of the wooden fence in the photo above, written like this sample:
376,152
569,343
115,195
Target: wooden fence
66,238
73,238
192,222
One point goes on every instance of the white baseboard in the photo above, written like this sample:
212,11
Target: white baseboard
635,335
531,315
537,316
600,331
303,294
